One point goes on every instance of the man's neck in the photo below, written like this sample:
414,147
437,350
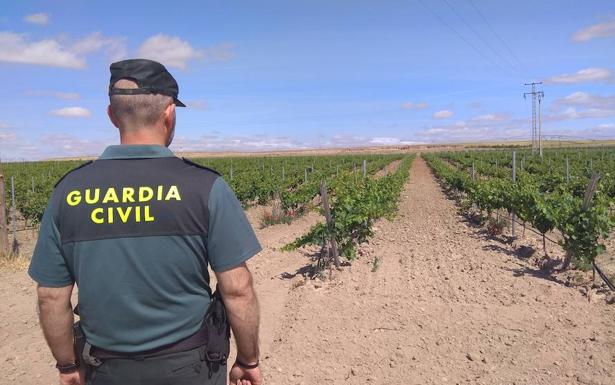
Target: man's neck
142,136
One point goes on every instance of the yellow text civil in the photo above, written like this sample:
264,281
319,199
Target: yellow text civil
123,214
102,215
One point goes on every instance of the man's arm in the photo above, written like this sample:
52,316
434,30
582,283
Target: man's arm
230,242
239,297
56,318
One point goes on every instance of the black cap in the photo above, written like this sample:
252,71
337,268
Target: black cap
151,78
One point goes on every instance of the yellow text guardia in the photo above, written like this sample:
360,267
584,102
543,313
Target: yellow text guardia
134,213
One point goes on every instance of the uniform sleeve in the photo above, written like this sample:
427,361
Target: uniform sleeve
48,266
231,239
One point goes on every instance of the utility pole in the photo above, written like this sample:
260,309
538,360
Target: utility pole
540,136
536,123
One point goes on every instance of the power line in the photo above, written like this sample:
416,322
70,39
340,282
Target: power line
510,51
461,36
485,42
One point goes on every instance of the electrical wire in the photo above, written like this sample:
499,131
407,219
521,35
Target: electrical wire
480,37
461,37
497,35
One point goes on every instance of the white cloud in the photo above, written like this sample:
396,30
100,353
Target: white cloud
175,52
196,104
171,51
606,29
37,18
216,143
460,132
585,99
600,132
349,141
17,48
55,94
62,145
114,46
342,140
414,106
390,142
582,105
605,128
52,146
459,126
72,112
503,127
574,113
578,97
491,117
444,114
587,75
7,136
264,143
385,141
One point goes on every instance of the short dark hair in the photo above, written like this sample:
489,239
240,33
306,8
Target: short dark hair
137,110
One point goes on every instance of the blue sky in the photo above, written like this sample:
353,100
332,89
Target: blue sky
300,74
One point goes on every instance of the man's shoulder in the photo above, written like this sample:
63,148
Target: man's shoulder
148,171
200,166
81,166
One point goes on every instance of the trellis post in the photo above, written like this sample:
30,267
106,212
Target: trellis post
15,246
4,229
330,225
514,180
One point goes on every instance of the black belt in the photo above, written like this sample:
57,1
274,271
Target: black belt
197,339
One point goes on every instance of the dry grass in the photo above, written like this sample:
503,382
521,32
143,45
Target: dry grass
14,263
273,217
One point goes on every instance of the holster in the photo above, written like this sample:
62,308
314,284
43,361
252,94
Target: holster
214,336
82,347
218,330
78,341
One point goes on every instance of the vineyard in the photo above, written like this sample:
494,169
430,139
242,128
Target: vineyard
295,180
425,292
548,193
357,203
551,193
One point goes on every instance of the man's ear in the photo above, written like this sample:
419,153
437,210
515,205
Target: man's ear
112,117
169,116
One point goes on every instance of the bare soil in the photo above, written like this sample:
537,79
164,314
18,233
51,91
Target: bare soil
430,300
24,356
606,261
388,169
444,305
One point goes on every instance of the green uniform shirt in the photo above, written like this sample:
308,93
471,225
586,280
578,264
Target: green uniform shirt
136,230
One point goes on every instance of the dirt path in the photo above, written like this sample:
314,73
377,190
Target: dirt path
25,359
444,306
269,266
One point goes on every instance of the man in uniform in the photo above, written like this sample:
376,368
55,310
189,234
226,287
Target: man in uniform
136,230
